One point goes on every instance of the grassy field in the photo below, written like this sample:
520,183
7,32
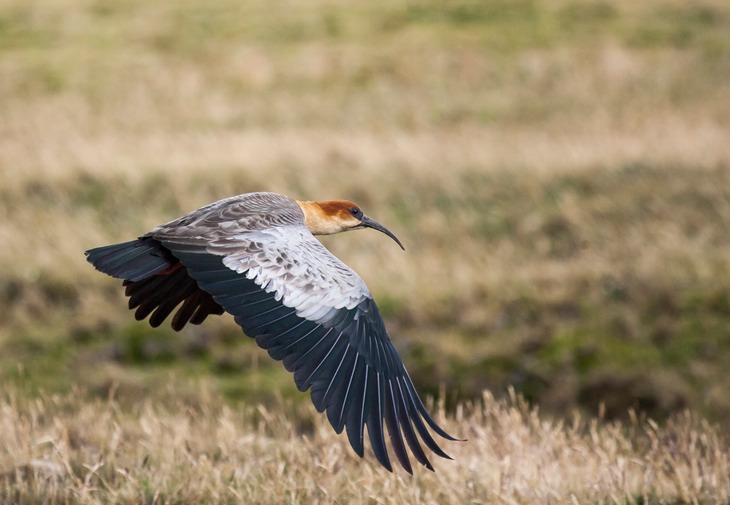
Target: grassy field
56,449
558,170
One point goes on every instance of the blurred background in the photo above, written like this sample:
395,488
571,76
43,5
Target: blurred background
558,170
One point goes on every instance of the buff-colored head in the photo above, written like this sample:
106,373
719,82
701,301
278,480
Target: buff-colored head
335,216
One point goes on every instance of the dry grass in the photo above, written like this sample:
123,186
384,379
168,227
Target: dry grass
55,449
558,170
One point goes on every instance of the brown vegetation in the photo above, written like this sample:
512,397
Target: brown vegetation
558,171
55,449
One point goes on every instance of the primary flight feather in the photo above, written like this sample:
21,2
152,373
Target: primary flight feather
255,257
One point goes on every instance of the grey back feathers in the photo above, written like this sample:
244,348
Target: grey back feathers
263,236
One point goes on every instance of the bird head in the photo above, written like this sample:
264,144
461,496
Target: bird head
335,216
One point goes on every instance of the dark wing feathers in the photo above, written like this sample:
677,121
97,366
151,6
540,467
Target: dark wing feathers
134,260
160,294
348,363
394,430
155,282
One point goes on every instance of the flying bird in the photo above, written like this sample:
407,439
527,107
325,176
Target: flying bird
255,256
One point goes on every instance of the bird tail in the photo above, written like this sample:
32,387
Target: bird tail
133,261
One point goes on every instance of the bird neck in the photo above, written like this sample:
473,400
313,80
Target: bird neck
318,221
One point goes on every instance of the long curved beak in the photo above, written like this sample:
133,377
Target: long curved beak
371,223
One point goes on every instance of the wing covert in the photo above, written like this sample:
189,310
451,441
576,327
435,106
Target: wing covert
343,355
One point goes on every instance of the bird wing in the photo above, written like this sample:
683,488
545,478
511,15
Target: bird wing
315,314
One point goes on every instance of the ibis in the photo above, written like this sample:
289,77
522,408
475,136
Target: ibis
255,256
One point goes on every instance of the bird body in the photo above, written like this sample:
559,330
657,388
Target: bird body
255,256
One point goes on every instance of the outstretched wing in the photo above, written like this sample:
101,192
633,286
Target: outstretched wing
312,312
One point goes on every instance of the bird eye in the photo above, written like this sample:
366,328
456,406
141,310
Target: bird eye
356,212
